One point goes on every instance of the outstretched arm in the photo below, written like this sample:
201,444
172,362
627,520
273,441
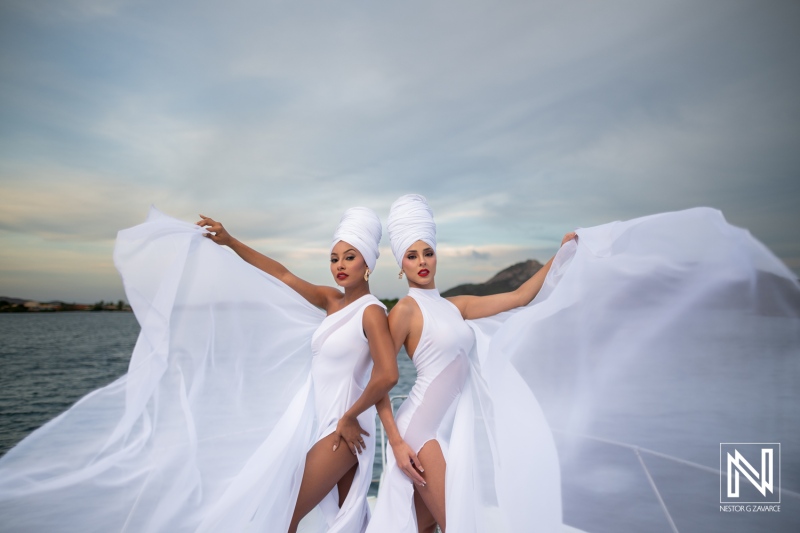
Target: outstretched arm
384,377
317,295
472,307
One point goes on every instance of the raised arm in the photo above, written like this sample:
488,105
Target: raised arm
384,377
317,295
472,307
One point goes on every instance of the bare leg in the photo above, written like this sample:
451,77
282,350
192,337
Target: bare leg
432,493
345,483
425,521
324,469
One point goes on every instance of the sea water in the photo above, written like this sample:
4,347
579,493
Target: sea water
48,361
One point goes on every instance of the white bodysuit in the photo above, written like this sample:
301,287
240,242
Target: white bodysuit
443,370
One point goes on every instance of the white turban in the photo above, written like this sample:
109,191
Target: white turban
410,220
360,227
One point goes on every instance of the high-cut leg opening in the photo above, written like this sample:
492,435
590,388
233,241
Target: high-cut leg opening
433,417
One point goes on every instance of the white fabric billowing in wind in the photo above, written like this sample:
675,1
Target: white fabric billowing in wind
410,220
626,342
360,227
657,332
208,430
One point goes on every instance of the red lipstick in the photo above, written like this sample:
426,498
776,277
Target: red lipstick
341,275
423,273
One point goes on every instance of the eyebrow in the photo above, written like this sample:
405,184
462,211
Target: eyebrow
416,252
348,250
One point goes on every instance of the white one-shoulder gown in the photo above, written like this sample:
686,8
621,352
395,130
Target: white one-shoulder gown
340,370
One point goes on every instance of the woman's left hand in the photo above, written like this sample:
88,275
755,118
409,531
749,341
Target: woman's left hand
568,237
350,431
216,231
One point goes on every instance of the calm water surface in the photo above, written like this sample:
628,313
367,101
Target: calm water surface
48,361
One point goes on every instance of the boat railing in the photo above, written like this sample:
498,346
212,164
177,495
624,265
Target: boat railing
392,400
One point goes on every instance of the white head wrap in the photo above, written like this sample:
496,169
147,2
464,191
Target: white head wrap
410,220
360,227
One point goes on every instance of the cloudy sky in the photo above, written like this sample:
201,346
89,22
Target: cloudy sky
519,121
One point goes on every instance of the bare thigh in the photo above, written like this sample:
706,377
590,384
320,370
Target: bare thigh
345,483
324,469
426,523
432,494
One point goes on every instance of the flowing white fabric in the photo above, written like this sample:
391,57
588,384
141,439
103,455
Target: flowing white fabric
209,429
360,227
410,220
626,342
660,333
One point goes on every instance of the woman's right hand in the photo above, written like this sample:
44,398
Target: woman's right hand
216,231
408,462
568,237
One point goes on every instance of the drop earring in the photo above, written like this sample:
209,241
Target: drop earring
366,275
400,275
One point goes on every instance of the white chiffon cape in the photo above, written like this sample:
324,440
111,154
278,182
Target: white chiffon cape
655,336
208,430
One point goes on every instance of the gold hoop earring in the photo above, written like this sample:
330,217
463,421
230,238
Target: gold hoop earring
400,275
366,275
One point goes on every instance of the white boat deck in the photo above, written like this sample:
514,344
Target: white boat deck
564,528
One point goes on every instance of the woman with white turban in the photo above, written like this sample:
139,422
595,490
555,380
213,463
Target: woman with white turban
248,401
624,348
353,335
430,425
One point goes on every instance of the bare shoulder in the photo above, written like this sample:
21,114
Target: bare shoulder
374,314
404,315
405,309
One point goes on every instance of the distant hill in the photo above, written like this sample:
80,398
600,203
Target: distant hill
506,280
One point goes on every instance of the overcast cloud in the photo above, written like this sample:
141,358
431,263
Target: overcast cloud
519,121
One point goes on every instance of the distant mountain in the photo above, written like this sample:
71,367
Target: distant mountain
506,280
